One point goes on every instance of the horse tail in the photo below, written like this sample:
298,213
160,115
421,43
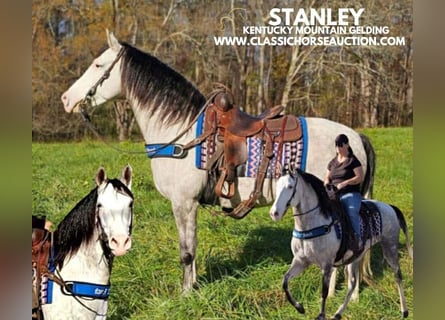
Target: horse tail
366,191
368,182
402,223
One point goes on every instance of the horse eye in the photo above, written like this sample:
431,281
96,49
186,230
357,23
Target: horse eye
289,186
98,65
98,206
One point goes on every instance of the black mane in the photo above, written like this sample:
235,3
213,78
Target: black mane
78,225
317,185
154,84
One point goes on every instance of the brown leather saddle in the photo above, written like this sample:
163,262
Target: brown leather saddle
40,248
230,127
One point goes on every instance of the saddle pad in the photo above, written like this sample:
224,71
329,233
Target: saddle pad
370,214
370,222
204,150
295,152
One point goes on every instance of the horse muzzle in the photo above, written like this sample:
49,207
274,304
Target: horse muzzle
119,245
274,214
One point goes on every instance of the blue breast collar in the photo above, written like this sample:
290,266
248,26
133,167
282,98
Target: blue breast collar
73,288
313,233
86,289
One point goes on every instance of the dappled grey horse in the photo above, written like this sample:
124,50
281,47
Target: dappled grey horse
315,239
165,104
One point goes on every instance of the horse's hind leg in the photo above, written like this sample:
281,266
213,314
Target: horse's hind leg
391,256
333,282
327,272
352,282
297,266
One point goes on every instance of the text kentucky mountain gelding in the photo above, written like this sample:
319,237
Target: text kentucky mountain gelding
71,278
164,104
317,235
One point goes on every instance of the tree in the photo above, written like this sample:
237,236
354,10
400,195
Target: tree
358,86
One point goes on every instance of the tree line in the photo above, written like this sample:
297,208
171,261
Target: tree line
360,86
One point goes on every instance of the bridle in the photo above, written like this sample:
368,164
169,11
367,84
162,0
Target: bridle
293,195
87,100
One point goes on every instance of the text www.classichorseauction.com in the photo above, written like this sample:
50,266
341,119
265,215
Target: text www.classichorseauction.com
313,27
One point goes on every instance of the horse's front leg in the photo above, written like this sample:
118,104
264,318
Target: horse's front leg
327,272
297,266
353,271
185,217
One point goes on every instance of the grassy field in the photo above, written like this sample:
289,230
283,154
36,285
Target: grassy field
240,263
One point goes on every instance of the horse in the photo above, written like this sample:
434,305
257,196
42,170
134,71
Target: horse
165,106
75,284
315,237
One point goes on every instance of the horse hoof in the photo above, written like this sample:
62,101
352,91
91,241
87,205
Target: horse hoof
405,314
336,317
300,308
321,316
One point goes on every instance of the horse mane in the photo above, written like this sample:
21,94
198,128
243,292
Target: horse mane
77,227
79,224
154,84
320,191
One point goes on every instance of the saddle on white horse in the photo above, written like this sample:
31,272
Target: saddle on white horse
229,127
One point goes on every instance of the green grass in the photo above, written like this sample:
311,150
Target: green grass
240,263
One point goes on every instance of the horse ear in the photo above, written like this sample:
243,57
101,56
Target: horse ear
113,43
101,176
126,176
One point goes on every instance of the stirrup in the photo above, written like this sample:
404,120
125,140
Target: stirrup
219,187
244,207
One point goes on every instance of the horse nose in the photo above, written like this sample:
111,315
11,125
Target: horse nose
273,214
66,103
119,245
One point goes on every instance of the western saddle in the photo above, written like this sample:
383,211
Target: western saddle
40,248
230,127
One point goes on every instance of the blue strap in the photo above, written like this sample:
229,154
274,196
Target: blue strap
85,289
157,150
50,283
48,299
309,234
313,233
305,143
199,130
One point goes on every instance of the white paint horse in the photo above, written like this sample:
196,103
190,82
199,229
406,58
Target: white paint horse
315,241
164,104
97,229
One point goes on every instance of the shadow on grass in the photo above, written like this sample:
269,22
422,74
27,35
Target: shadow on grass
264,245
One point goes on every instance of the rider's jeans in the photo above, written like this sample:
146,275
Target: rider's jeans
351,204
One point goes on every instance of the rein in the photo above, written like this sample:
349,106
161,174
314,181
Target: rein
87,101
64,284
105,76
293,195
312,233
309,211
